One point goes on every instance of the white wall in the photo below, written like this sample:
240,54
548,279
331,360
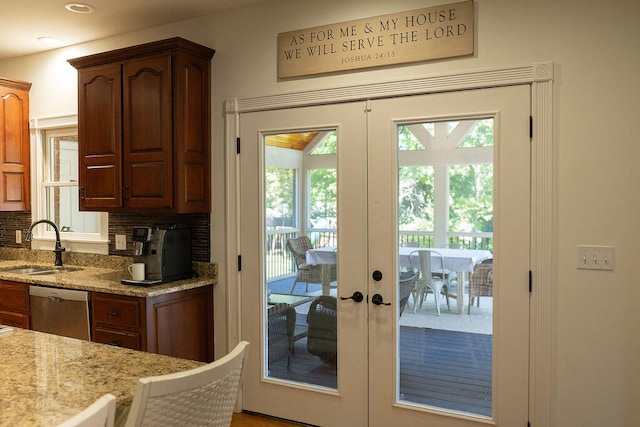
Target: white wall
595,48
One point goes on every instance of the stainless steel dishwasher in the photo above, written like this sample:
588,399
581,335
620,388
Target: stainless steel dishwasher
60,311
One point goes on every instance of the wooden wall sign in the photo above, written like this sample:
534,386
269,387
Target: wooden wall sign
418,35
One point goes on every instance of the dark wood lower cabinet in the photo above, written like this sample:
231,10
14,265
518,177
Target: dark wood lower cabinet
14,304
125,339
10,318
178,324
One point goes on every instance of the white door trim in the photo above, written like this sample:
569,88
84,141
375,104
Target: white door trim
540,77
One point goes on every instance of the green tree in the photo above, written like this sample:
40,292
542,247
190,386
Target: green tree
416,198
323,196
471,198
280,187
471,186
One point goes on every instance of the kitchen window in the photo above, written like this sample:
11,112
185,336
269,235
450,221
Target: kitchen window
56,195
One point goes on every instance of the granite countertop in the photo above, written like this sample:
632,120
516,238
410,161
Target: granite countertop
103,274
47,379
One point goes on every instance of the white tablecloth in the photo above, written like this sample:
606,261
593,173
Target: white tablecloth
326,255
454,259
458,261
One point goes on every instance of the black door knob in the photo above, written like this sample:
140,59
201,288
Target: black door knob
377,299
357,297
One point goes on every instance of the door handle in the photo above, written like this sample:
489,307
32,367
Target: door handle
377,299
357,297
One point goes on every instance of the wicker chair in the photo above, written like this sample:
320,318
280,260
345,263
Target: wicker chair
323,328
101,413
323,319
203,396
407,286
306,273
281,323
481,282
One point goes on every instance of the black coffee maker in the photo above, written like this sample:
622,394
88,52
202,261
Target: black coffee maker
165,251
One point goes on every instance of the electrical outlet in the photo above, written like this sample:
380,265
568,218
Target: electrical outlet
121,242
18,236
595,257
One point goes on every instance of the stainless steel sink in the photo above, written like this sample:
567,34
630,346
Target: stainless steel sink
33,270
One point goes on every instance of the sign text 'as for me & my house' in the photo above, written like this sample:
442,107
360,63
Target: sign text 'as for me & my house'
437,32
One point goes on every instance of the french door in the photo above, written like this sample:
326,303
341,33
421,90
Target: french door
357,370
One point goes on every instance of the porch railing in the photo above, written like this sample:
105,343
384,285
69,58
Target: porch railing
454,240
280,263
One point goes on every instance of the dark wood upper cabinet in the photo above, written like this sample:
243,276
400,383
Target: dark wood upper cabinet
144,128
14,146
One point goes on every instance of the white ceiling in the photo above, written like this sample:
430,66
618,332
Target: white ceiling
26,20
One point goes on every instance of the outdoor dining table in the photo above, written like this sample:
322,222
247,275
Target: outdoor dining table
326,257
459,261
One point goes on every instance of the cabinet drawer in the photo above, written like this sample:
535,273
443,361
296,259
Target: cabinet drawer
18,320
117,338
14,296
116,312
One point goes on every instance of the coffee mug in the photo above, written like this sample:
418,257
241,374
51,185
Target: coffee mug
136,270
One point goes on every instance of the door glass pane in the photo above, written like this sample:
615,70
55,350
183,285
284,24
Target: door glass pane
300,193
445,240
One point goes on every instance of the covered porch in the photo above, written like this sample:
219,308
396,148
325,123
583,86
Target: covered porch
445,361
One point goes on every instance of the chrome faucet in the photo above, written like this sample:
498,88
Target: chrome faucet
59,249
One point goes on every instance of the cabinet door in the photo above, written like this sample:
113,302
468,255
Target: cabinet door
180,324
147,116
14,304
192,138
14,149
100,134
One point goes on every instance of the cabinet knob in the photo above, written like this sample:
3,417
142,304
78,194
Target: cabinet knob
115,343
113,313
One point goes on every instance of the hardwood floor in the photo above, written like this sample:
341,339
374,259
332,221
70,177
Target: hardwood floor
252,420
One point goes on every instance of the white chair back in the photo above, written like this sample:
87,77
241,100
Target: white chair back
204,396
430,262
101,413
433,275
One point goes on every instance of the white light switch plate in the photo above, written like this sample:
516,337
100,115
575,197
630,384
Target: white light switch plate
121,242
595,257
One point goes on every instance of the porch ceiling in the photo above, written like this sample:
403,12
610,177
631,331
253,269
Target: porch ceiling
294,141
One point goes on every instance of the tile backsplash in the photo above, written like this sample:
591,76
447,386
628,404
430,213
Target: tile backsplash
9,223
120,223
123,223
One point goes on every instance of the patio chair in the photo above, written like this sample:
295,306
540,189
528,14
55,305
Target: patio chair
481,282
306,273
203,396
281,322
101,413
433,277
323,328
406,286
